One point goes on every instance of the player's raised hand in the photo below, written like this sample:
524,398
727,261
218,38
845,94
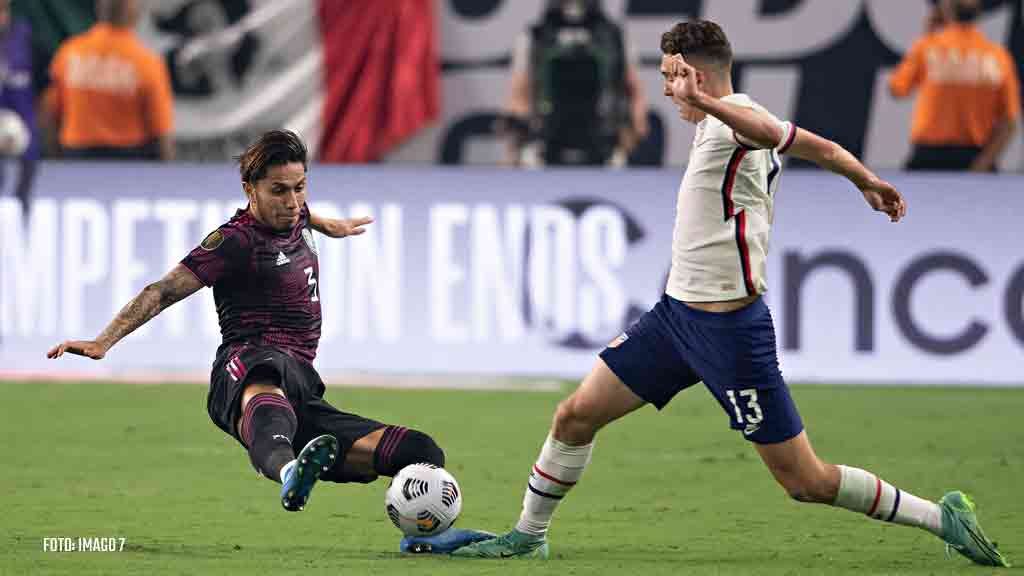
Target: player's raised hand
884,197
342,227
87,348
684,80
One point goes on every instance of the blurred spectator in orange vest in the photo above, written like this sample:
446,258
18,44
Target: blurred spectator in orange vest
110,96
969,100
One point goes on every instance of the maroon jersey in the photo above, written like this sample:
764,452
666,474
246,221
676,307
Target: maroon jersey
264,283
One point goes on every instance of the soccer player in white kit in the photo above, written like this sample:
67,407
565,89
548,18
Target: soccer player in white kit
712,324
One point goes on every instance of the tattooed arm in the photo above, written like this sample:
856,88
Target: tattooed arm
178,284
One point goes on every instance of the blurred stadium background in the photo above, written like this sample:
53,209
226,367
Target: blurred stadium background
484,277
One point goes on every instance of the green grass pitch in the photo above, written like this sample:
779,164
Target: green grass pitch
669,493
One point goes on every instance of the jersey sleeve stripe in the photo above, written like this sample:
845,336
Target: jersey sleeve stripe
789,139
730,179
741,244
742,144
776,166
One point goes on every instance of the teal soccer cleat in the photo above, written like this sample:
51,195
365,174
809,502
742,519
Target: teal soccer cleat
316,458
444,543
961,531
515,544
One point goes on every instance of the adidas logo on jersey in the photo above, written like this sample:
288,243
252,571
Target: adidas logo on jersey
282,259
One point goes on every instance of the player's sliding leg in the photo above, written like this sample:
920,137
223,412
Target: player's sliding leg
808,479
267,426
383,452
600,399
444,543
397,447
300,475
392,448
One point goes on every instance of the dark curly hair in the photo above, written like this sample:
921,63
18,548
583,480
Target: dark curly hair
700,39
274,148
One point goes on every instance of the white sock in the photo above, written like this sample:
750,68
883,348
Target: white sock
862,491
285,469
557,470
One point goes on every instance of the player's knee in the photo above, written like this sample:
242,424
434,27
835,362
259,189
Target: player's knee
575,420
566,414
400,447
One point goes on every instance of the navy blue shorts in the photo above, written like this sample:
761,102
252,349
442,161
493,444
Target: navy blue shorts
674,346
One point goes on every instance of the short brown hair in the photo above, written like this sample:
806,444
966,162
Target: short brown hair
273,148
701,39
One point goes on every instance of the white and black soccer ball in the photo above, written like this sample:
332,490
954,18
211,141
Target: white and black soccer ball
423,500
14,135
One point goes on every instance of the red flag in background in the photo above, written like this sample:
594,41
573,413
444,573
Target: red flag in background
381,75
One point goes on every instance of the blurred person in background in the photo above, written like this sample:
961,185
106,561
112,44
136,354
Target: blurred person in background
935,19
17,113
969,101
110,96
575,96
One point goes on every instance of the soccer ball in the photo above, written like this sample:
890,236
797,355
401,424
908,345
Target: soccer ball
423,500
14,134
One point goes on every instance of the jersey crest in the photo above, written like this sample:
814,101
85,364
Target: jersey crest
212,241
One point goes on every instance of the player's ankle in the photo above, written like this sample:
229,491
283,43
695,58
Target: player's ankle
528,535
286,470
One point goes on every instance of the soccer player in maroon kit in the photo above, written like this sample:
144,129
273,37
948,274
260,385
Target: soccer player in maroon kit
264,392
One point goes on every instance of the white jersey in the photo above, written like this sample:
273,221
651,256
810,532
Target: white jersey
724,213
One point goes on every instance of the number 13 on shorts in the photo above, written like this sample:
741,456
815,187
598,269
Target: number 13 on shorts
754,416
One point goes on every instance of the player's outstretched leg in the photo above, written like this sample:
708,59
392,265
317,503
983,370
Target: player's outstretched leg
808,479
300,475
600,399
